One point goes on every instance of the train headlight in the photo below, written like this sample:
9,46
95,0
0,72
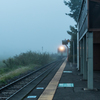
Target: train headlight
61,48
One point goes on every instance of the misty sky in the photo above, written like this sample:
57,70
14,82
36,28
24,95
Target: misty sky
32,24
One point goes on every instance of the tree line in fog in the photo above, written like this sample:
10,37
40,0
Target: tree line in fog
27,58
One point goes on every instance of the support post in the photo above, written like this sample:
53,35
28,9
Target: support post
84,59
73,53
78,51
81,57
89,48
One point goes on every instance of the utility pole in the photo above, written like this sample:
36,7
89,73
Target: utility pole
42,49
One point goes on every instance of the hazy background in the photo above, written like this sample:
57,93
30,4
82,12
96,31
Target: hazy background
32,24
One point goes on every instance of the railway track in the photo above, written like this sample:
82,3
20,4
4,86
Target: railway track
27,82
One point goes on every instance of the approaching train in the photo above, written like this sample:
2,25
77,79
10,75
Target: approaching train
62,51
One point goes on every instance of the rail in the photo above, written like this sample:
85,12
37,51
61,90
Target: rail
15,87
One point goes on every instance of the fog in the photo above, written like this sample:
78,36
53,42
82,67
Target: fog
36,25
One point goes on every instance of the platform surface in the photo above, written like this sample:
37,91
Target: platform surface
52,86
69,86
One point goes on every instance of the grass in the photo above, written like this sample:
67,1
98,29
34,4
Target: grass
16,72
22,63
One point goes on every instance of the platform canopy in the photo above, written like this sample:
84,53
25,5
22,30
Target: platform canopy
89,17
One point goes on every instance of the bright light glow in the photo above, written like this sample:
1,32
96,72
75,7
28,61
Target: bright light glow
62,48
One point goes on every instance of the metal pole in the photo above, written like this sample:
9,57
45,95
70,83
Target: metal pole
73,53
67,52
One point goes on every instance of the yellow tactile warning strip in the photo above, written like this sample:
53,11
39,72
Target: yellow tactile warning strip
51,88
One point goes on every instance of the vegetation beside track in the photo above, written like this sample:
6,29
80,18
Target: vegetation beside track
8,76
23,63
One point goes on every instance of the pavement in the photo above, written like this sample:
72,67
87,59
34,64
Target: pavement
74,91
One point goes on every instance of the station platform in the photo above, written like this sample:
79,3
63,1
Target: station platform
68,85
